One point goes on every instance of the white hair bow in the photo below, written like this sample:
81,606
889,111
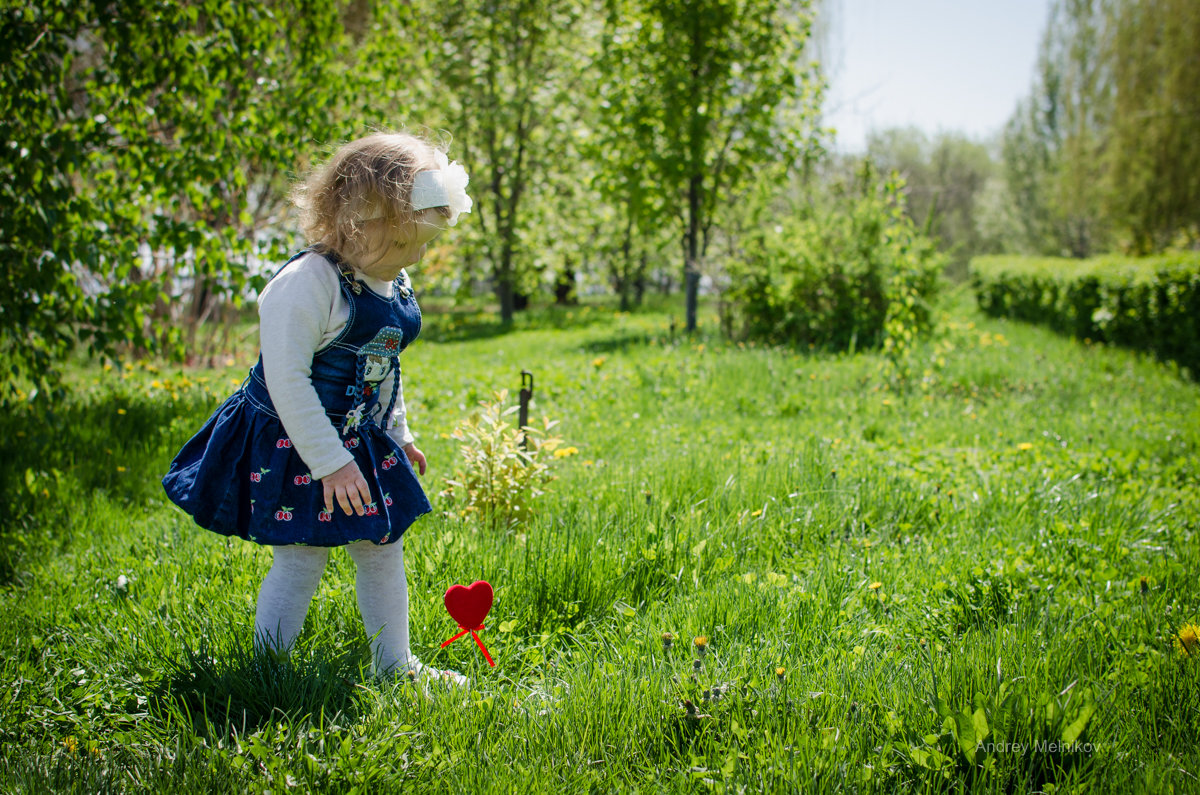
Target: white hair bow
445,187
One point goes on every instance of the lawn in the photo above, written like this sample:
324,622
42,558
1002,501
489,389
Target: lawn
761,568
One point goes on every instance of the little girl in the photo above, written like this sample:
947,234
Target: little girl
313,451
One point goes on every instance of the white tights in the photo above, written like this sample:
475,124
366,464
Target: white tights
382,598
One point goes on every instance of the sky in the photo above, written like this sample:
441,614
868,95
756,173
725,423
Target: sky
940,65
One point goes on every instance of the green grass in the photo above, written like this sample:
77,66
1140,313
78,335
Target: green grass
1001,550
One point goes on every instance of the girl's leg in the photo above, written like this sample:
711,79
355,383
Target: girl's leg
383,601
286,591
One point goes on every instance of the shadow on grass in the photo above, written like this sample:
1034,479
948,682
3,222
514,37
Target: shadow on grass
460,324
57,455
623,341
240,691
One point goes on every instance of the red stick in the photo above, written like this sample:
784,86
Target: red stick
478,642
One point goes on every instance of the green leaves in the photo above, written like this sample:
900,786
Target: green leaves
145,148
499,477
851,276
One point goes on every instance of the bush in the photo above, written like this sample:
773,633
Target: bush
843,278
499,478
1150,304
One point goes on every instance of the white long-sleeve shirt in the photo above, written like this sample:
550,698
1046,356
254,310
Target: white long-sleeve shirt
300,311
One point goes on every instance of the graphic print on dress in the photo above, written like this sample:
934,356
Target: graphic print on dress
378,359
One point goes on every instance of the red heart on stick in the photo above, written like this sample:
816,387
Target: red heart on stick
469,605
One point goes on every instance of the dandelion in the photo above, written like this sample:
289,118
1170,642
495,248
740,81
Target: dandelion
875,586
701,643
780,672
668,640
120,469
598,362
122,582
120,411
1025,446
1187,642
564,452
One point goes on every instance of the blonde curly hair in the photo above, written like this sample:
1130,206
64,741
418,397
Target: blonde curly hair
366,179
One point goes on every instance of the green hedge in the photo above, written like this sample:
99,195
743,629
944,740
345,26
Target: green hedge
1150,304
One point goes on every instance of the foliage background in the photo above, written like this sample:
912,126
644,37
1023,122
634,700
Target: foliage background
977,532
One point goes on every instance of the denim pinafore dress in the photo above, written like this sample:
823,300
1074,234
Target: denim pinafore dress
239,475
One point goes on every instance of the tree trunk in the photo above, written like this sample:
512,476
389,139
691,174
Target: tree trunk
506,297
564,286
691,256
639,282
506,292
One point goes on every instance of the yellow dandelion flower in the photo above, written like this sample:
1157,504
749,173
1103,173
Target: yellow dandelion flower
875,586
779,672
120,411
759,512
564,452
599,361
1187,642
1025,446
701,642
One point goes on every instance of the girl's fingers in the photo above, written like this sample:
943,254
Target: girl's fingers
352,496
343,498
355,493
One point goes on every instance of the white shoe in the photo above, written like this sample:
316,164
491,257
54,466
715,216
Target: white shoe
419,672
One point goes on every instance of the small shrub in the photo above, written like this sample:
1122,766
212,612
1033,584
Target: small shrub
498,479
852,276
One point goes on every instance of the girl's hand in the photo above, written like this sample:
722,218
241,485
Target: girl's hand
349,487
415,457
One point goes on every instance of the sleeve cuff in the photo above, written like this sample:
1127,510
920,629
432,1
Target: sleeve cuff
325,468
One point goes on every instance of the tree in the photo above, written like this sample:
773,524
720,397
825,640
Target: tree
1053,142
146,144
507,69
943,178
724,91
1153,163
